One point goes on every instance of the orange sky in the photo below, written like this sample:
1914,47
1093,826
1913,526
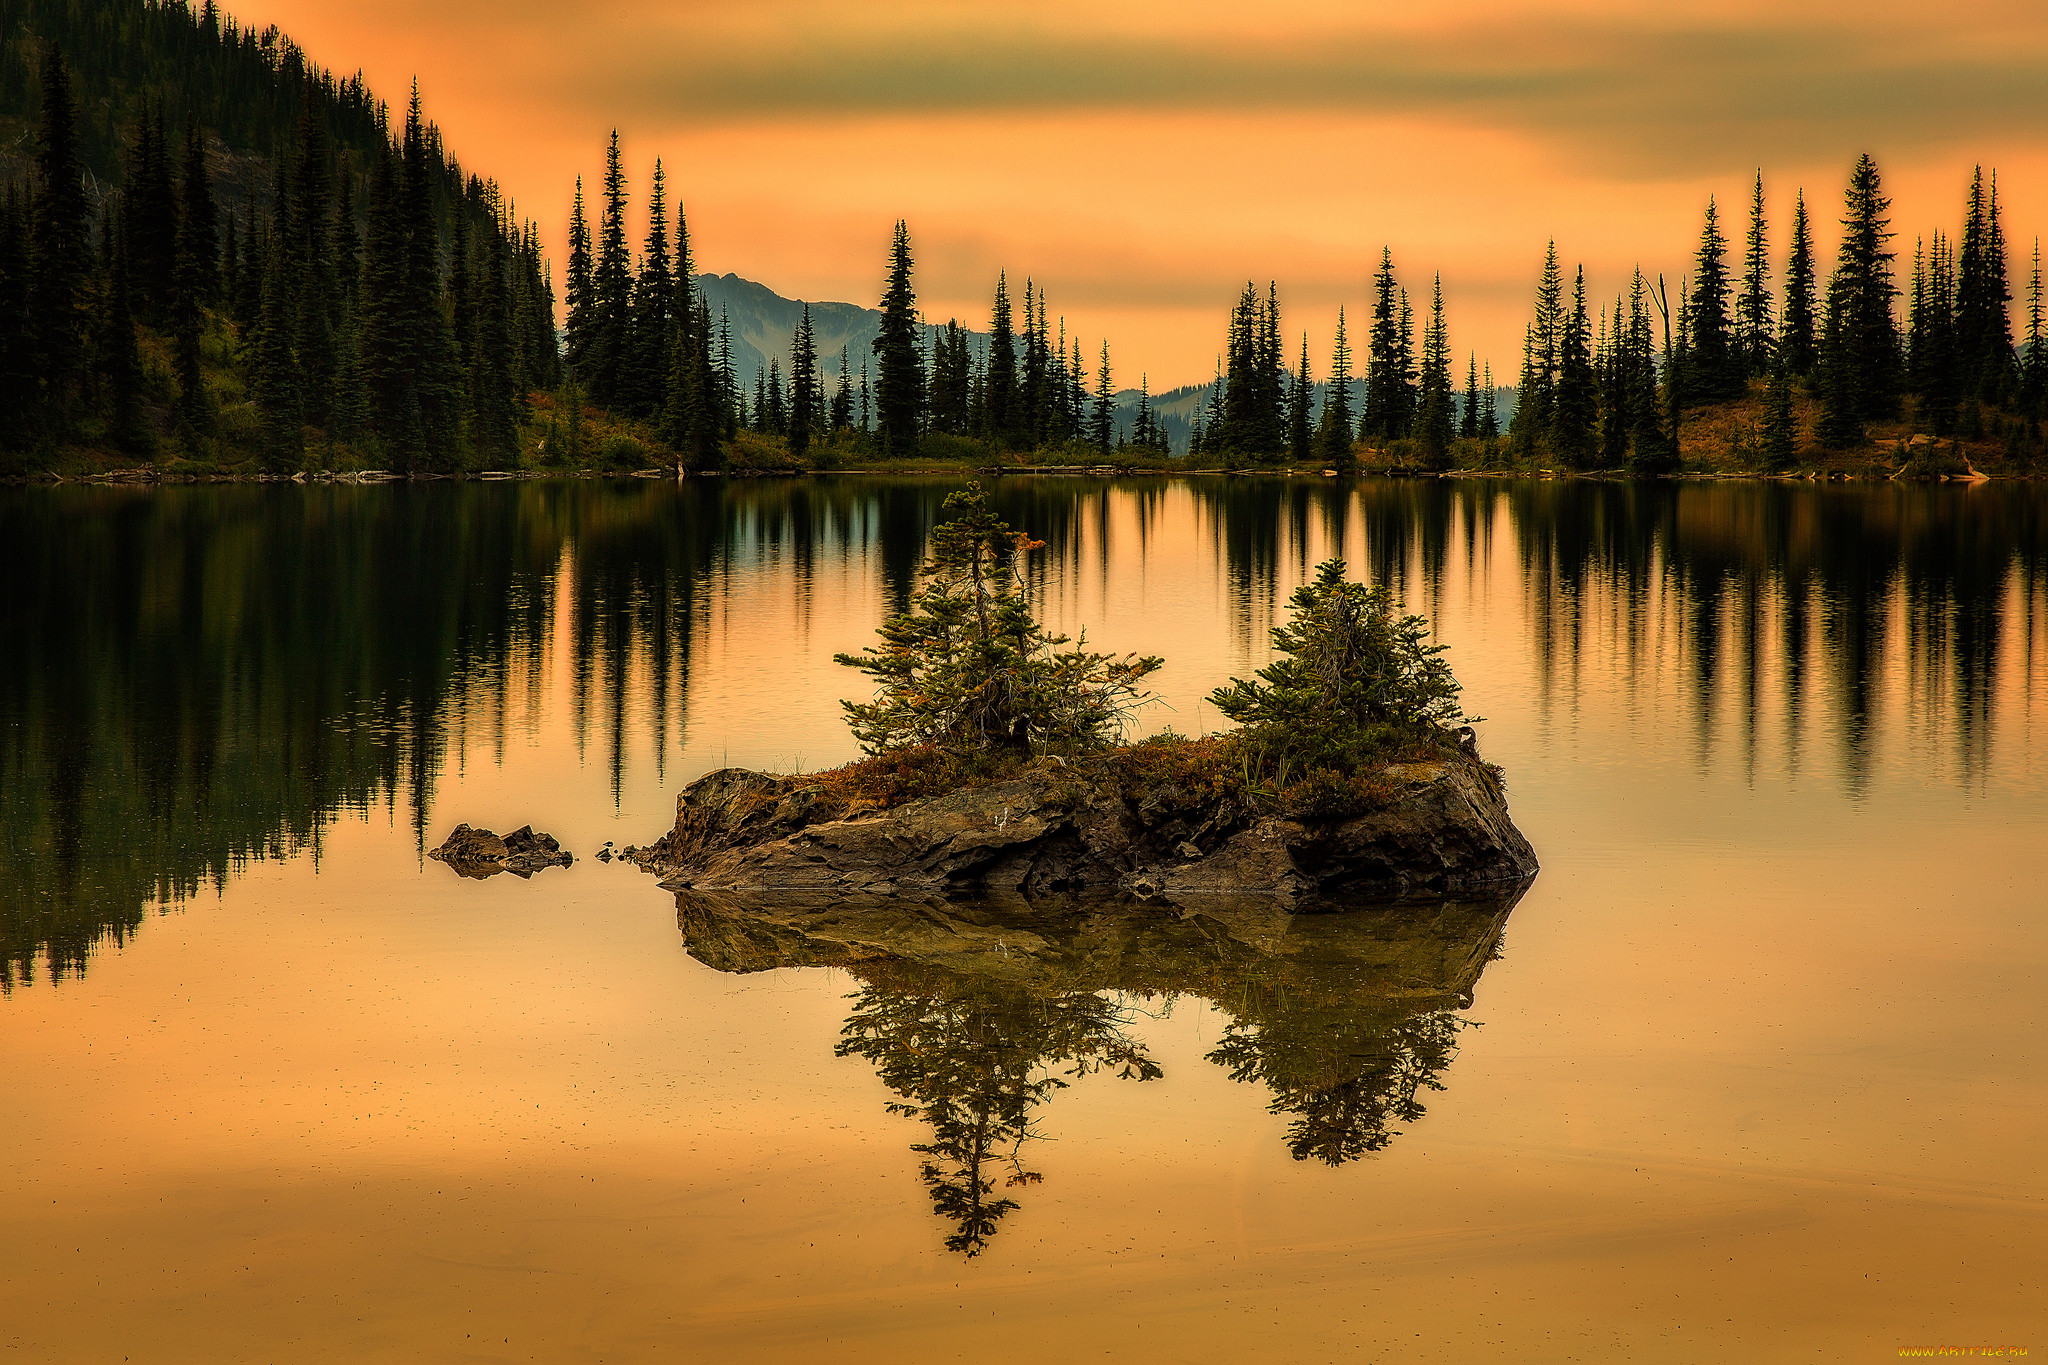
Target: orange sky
1143,159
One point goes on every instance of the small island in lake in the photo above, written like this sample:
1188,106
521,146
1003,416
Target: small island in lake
995,764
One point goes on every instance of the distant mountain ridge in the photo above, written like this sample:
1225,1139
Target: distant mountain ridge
764,323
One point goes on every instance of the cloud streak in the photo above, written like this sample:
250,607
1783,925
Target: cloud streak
1669,96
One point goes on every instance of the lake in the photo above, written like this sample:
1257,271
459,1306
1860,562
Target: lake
1756,1069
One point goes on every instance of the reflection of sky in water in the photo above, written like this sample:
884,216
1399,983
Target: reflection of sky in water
1759,1067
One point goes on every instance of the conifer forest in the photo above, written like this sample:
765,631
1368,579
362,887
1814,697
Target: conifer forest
217,258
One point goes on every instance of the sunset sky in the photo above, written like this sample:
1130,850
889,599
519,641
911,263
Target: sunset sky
1143,160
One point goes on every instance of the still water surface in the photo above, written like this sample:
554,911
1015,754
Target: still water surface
1756,1069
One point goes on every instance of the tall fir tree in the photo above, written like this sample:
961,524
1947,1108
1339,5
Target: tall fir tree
1755,334
1798,339
806,405
1860,348
1537,388
198,283
1301,417
1102,417
1575,412
899,388
1333,429
1715,368
60,255
1433,420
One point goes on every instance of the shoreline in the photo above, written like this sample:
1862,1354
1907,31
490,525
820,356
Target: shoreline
143,476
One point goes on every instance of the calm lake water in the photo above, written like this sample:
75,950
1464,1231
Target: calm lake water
1757,1069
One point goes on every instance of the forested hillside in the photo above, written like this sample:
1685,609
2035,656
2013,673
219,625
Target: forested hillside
212,252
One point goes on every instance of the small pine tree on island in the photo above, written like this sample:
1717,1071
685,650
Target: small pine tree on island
1354,684
970,672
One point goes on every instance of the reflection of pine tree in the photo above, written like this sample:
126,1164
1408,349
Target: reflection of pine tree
1347,1077
974,1060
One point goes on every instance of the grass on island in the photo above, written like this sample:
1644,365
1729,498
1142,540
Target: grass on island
1164,773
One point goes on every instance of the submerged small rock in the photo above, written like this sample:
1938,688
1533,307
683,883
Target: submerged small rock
480,853
1444,829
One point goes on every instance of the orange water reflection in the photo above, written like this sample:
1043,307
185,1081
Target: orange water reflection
1759,1069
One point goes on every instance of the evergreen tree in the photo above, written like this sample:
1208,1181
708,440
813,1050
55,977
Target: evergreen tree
198,282
1468,410
1864,366
60,260
309,264
806,406
1755,335
1983,324
1575,411
493,411
648,371
1301,401
1389,378
2034,365
18,395
1537,388
1102,421
900,387
1716,368
1781,434
1489,419
121,358
1000,379
274,374
607,346
1333,430
428,434
150,217
842,397
1797,343
1433,423
580,287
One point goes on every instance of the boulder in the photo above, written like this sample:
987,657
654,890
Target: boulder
480,853
1445,831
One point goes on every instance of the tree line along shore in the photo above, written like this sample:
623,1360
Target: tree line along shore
220,261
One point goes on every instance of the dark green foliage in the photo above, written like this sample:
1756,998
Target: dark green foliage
1984,355
1798,342
967,669
1781,432
120,360
899,388
1862,377
1354,681
1433,417
2034,364
1575,410
1391,389
1102,420
806,403
974,1060
1301,402
1715,370
1251,421
60,259
1540,358
1755,342
1333,430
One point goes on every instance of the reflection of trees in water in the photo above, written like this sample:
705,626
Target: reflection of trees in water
1767,594
974,1061
1346,1087
204,676
975,1016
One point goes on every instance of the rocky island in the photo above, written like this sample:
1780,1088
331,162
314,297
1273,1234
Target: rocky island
1443,829
992,770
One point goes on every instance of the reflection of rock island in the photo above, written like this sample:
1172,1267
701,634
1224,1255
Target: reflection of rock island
976,1014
